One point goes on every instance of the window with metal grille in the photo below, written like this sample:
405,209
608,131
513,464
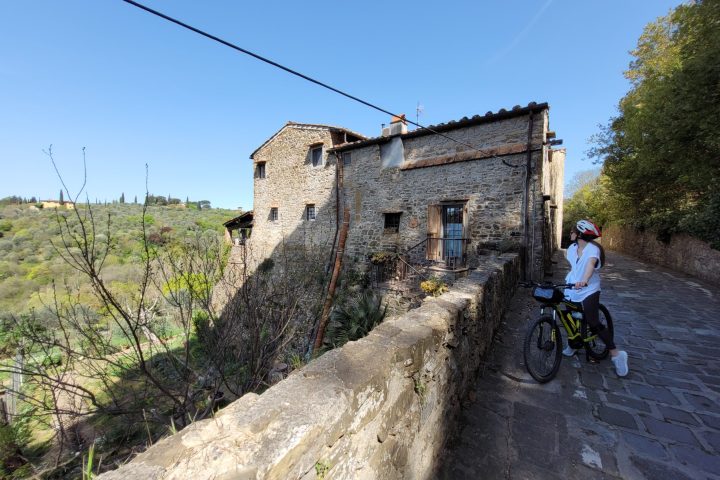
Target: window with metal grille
260,170
347,159
316,156
273,214
310,212
392,222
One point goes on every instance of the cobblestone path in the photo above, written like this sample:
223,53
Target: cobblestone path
662,421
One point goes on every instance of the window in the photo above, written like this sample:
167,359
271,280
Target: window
347,159
392,222
310,212
316,156
260,170
273,214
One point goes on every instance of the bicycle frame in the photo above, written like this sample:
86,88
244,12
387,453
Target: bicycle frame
572,325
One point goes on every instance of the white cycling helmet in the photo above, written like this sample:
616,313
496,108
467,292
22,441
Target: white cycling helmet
587,229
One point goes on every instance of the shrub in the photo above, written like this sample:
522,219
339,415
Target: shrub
354,277
434,286
12,462
381,258
354,319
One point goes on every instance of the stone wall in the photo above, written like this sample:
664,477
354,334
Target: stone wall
379,408
553,185
683,253
291,183
553,173
493,192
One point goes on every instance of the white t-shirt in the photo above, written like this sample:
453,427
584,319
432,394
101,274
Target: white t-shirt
577,269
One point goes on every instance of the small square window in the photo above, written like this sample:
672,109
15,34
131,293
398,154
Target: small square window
392,222
316,156
273,214
260,170
310,212
347,159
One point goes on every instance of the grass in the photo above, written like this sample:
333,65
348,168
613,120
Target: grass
322,467
420,388
87,468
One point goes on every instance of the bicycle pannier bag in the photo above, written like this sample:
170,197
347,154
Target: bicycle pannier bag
548,295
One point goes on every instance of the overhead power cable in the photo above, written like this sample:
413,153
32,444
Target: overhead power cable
298,74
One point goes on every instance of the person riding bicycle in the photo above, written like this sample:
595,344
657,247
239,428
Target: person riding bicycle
586,257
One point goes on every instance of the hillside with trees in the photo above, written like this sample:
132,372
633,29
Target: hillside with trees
98,304
30,261
660,155
112,338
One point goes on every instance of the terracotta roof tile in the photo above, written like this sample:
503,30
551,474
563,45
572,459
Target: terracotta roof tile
451,125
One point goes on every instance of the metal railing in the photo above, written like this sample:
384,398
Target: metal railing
452,252
388,270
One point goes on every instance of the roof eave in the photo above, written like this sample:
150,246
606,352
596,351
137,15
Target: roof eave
291,124
502,114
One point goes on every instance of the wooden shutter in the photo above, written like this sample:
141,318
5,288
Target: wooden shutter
466,231
465,221
434,224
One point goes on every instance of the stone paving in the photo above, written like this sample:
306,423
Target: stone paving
662,421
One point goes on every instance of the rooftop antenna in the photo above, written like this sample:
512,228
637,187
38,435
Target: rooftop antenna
418,110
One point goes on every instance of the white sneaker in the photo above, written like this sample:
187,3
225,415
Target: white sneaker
621,363
569,351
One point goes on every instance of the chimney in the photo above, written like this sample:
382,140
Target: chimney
398,126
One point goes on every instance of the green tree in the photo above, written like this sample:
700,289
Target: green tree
661,152
62,199
122,197
11,200
591,199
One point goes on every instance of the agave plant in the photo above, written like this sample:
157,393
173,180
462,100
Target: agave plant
353,319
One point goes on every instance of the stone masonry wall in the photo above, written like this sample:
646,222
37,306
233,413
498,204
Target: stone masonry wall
552,209
554,180
494,192
291,183
379,408
683,253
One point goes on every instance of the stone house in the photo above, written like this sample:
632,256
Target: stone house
295,187
57,204
446,194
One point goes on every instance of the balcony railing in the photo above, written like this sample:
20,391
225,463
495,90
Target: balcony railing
449,252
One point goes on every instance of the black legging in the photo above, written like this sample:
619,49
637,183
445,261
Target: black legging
591,309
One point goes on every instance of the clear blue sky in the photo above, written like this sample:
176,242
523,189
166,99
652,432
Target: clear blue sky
134,89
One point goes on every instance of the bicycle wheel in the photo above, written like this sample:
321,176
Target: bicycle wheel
543,349
594,345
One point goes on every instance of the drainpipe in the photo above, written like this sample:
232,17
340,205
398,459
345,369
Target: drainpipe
527,259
